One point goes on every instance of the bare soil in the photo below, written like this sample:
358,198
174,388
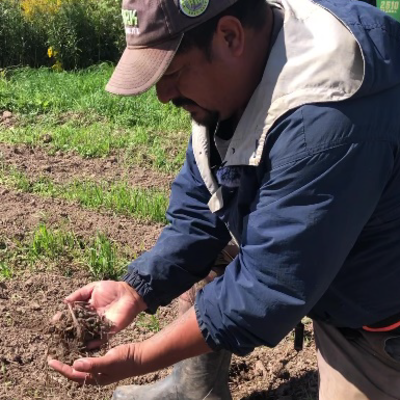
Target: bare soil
35,162
22,212
29,301
28,304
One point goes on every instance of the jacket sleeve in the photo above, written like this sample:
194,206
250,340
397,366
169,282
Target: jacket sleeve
186,248
306,218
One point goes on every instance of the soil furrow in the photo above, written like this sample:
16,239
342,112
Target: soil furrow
23,212
35,162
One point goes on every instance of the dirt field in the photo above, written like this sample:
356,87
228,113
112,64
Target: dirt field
30,298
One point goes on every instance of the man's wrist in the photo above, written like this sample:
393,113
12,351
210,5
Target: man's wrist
180,340
139,303
143,289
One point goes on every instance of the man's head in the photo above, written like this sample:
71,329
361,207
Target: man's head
206,56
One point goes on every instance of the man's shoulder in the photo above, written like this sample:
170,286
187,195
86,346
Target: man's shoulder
315,128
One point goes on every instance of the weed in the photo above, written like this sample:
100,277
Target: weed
5,270
148,322
102,259
51,244
144,204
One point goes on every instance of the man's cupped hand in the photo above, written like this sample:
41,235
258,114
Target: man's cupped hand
119,363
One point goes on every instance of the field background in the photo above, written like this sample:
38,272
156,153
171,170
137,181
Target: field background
84,184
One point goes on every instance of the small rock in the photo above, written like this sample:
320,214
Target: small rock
5,191
36,306
29,282
18,151
259,367
7,115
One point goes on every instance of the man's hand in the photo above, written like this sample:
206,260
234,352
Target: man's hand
119,363
180,340
117,301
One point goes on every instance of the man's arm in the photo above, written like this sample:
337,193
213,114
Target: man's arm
187,247
305,220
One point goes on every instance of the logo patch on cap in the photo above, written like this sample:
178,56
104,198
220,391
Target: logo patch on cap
131,22
193,8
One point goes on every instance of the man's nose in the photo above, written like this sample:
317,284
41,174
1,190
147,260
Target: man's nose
166,89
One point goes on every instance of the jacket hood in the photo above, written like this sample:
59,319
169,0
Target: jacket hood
378,35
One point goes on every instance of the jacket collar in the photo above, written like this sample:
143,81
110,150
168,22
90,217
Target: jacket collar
315,59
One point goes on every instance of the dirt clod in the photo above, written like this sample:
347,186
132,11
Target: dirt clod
73,328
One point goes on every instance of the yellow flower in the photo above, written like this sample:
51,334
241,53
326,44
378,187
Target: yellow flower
50,52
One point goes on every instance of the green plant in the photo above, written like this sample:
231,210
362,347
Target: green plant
5,271
66,34
102,258
149,322
51,244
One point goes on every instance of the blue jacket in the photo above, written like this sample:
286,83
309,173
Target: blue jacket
315,203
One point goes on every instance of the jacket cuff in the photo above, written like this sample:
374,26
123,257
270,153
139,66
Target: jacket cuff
204,330
143,289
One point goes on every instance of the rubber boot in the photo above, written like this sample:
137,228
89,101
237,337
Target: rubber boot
199,378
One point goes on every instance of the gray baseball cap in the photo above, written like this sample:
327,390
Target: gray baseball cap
154,30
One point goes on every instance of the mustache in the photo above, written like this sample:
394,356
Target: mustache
183,101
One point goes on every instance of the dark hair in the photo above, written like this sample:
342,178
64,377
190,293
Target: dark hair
251,13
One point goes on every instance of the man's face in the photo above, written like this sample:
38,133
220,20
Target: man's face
219,87
204,88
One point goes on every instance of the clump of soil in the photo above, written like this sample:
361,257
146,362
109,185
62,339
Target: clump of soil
73,329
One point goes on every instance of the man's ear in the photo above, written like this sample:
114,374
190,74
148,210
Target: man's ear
230,36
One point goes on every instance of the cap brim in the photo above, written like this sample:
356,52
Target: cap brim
141,68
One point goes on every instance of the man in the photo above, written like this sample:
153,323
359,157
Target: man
294,159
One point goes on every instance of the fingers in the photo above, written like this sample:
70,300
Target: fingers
110,368
70,373
82,378
94,366
82,294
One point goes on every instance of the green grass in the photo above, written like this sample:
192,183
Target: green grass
149,322
143,204
102,258
6,271
63,249
52,244
76,112
71,112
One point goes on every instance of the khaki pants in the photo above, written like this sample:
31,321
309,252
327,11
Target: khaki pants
357,365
